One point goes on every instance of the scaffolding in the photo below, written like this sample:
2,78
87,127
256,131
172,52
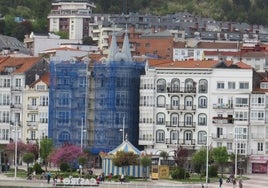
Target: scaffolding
67,102
117,86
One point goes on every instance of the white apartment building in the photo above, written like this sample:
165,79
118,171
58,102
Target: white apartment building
183,102
15,74
71,16
36,109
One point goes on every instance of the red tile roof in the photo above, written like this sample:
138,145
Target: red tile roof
44,78
22,64
192,64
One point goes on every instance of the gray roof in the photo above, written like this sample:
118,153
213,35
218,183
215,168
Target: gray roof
13,44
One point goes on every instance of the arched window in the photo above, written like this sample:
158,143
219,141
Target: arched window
174,119
188,120
175,101
202,137
64,137
161,101
203,86
174,136
160,119
160,136
189,85
202,119
202,102
161,86
188,136
175,85
188,102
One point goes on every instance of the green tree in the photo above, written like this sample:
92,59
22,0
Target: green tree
125,159
28,158
165,156
220,156
46,146
146,162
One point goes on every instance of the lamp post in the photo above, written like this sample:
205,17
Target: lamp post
207,161
235,170
82,134
16,149
123,129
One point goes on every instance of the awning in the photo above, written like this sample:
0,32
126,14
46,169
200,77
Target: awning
259,161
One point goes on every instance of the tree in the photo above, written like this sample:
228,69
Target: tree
220,156
28,158
68,154
165,156
46,146
146,162
125,159
180,156
199,160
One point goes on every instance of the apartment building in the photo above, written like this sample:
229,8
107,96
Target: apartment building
71,16
184,101
16,75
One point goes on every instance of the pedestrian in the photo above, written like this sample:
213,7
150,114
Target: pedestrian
48,177
240,183
110,176
234,183
220,181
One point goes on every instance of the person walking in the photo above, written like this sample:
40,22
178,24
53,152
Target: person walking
220,182
48,177
240,183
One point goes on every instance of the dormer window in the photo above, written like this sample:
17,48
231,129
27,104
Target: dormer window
264,85
40,87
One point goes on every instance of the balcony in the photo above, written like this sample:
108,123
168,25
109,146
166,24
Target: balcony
146,142
222,120
180,142
31,107
258,136
223,106
180,107
222,136
179,90
31,123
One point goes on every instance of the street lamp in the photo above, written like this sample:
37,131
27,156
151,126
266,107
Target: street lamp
82,134
235,172
16,149
207,161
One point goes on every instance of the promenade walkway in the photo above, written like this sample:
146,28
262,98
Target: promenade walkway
255,181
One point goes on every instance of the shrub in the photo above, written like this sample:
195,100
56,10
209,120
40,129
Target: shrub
37,168
212,171
64,167
178,173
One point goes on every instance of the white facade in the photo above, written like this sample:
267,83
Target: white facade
70,16
35,113
180,106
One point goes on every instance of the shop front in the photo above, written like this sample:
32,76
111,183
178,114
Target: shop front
259,164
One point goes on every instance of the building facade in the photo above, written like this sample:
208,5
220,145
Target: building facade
72,17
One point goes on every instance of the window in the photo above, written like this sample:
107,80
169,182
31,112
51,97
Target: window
260,146
17,99
229,146
241,102
220,85
174,119
202,137
202,119
257,115
231,85
40,87
175,102
64,99
241,116
175,85
257,100
188,102
187,135
161,86
243,85
18,82
160,136
160,119
219,132
174,136
43,100
203,86
33,135
188,120
202,102
161,101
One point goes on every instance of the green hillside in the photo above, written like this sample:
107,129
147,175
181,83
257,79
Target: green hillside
36,11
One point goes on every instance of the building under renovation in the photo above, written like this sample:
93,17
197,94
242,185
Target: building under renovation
117,81
67,102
